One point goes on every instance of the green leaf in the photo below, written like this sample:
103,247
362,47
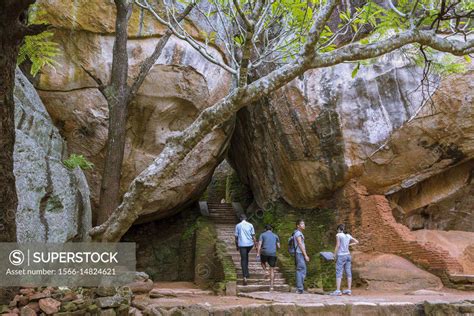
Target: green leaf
467,58
356,70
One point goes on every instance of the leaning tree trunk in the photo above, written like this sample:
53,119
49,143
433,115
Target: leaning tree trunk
119,95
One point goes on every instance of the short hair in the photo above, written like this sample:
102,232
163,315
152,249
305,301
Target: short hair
268,227
299,221
243,217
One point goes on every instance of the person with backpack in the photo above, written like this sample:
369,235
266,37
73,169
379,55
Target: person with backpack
244,242
297,248
268,243
343,259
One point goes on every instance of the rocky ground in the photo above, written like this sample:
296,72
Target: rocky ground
185,299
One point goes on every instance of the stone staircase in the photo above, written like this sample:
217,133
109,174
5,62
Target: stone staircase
225,219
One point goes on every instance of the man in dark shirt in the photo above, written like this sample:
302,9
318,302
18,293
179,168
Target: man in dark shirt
266,250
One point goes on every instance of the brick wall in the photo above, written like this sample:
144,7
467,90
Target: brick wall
369,218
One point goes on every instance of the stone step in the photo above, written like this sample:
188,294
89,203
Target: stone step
259,276
251,281
462,278
258,288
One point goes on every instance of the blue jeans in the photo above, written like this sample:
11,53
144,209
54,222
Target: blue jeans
300,271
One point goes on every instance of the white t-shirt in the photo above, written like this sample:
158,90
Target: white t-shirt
344,240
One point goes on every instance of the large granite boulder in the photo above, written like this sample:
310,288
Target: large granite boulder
179,86
312,135
53,202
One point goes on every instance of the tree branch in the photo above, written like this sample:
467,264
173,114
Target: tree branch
150,61
318,27
358,51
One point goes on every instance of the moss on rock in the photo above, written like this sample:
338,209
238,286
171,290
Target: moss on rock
319,236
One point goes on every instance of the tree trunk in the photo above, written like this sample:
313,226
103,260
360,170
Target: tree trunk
12,32
119,95
8,198
117,98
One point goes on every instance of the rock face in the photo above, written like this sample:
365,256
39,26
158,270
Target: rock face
386,272
178,88
309,137
54,203
459,244
442,202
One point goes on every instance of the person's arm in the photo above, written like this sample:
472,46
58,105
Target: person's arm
253,236
259,246
278,243
302,247
355,241
236,238
337,247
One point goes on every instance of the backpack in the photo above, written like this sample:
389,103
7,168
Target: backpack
292,245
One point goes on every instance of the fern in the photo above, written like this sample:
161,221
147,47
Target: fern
39,49
78,161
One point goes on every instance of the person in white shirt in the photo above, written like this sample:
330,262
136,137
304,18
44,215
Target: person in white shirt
343,259
244,242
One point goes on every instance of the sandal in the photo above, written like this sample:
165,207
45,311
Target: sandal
347,292
336,293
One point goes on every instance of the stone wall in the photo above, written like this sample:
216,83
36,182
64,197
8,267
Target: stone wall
214,268
370,219
165,248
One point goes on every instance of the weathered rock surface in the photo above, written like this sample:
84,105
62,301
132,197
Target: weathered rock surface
312,135
440,137
53,202
442,202
459,244
180,85
387,272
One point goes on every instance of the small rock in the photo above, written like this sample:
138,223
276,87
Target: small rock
69,296
23,300
49,305
14,301
134,312
27,291
27,311
107,312
68,307
4,309
106,291
38,296
92,308
141,276
122,310
34,306
109,301
141,286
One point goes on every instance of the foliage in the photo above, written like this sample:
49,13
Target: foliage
276,31
78,161
39,49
